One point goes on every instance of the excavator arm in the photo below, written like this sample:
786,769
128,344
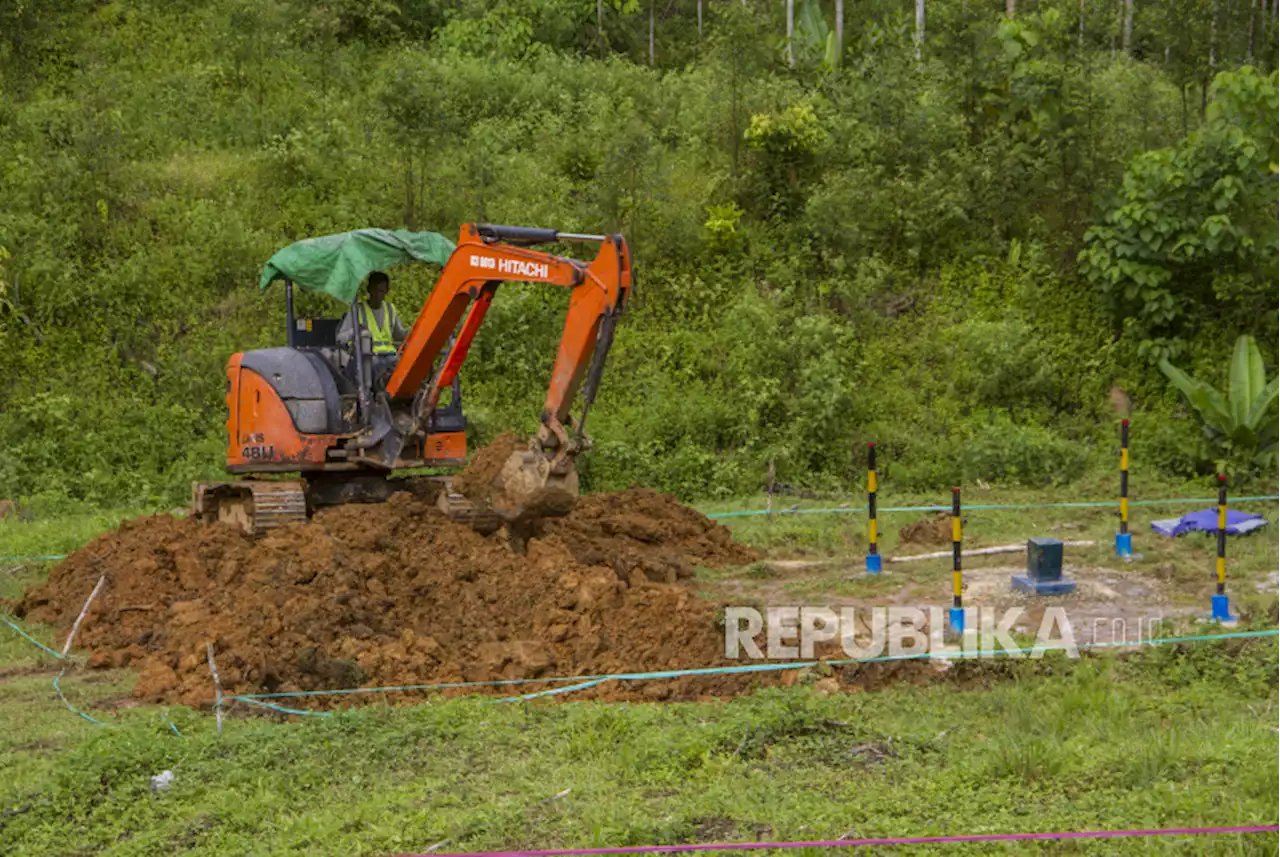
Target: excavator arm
487,256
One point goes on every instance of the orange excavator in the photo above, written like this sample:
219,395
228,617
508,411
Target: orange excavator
312,408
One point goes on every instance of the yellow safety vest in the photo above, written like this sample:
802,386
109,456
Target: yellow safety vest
383,340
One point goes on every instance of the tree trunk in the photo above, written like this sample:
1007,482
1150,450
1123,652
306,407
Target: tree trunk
1126,38
1010,7
652,3
1253,4
1213,38
1183,92
600,24
839,31
1082,25
920,28
410,205
791,26
1264,26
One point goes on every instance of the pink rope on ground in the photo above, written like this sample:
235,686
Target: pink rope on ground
847,843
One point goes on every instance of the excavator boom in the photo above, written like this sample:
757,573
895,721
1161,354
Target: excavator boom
487,256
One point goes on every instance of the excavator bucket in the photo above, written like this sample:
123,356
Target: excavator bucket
511,482
527,488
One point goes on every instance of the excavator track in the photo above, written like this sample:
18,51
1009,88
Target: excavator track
255,506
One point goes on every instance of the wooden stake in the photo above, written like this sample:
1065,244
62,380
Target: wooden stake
66,647
217,686
982,551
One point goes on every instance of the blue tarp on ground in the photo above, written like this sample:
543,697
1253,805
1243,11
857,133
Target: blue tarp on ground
1207,521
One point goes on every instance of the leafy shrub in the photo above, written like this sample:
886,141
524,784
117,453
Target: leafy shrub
1002,451
1239,423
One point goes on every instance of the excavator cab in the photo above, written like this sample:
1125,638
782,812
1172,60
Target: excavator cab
354,378
309,408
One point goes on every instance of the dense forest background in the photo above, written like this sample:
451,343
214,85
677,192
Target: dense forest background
967,230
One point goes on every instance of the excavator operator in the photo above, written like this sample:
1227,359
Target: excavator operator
378,316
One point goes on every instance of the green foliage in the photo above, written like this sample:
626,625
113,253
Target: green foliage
1116,740
830,254
1240,423
1002,451
1193,232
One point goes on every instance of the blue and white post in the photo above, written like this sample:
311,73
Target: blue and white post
1124,539
955,616
873,549
1221,611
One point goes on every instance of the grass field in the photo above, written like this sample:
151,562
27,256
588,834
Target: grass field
1173,736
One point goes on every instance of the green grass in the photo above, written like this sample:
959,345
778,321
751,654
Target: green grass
1103,744
1169,736
56,534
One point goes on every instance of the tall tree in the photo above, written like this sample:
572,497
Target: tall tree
1126,38
652,3
840,30
1253,5
699,18
1010,7
920,28
1213,49
791,28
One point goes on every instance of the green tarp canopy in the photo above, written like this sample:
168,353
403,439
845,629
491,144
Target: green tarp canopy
337,264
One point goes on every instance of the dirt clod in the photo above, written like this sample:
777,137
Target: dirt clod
934,530
397,593
475,480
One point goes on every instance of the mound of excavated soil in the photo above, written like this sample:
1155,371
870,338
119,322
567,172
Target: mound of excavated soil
395,594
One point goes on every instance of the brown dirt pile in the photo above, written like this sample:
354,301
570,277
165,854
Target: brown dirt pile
398,594
934,530
644,535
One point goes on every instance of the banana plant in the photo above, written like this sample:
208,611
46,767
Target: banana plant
1238,422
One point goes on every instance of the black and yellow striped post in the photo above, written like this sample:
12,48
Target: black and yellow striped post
1124,539
1221,611
956,615
873,549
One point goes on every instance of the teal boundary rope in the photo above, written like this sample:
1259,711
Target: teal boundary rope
57,687
584,682
29,638
95,721
58,678
754,513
